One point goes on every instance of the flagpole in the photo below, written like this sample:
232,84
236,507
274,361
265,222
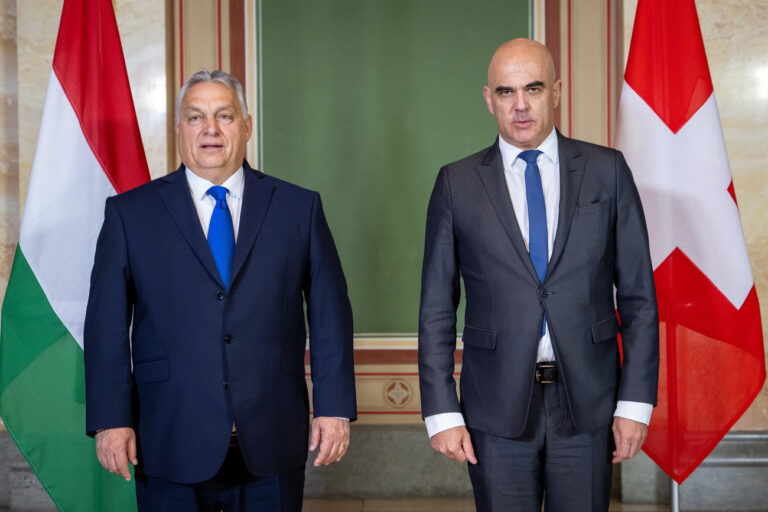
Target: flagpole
671,339
674,496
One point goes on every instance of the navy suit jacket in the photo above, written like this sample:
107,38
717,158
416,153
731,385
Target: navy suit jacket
171,353
601,242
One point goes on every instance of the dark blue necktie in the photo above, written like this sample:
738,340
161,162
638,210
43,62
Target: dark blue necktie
537,216
221,234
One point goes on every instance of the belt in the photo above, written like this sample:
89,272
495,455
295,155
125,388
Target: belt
546,373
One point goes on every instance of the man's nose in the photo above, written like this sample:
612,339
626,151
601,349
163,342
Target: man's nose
520,100
211,126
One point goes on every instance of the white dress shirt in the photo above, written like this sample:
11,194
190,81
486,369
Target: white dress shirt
514,173
204,203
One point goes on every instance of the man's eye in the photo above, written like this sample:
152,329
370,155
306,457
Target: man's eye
534,90
194,118
225,117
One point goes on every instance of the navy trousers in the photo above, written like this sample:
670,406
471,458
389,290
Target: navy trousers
233,489
551,462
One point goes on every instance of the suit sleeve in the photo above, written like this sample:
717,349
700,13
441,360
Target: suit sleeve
330,324
108,378
440,292
635,294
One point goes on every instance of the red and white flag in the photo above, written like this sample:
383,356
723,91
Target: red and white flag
712,358
89,148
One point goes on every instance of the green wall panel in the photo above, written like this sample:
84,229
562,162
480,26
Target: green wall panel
364,100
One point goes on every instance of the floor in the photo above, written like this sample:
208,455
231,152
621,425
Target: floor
431,505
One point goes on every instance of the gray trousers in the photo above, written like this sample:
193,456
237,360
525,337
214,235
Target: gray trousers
551,462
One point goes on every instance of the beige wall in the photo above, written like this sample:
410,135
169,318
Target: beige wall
9,141
734,31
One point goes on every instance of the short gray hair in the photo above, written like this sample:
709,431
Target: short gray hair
219,77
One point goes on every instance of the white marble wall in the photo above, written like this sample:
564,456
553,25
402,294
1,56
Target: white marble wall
9,141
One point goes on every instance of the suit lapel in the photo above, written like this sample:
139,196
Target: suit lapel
257,196
491,172
178,201
572,164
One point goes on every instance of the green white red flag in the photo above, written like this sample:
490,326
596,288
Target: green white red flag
88,148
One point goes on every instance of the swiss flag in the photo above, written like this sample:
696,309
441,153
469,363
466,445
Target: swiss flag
712,358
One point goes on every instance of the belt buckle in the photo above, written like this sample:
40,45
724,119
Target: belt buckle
540,373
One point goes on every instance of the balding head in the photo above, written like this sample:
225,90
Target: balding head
520,50
522,92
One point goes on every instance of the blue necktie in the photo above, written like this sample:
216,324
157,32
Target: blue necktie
221,234
537,216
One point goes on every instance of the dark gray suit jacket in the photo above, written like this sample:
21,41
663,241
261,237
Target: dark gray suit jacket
601,242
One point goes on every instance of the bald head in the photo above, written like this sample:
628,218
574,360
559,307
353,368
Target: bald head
522,92
518,51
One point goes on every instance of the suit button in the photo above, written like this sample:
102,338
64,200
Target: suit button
229,338
226,385
219,295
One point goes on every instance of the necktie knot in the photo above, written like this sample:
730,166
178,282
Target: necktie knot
219,194
529,156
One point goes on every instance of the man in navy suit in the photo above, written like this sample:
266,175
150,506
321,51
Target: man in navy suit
195,329
540,228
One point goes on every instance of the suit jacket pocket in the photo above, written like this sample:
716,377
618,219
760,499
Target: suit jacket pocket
293,362
605,329
477,337
291,232
593,208
151,371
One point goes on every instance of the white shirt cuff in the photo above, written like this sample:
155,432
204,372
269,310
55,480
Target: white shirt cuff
443,421
637,411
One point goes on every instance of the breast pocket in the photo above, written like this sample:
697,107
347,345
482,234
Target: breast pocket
591,233
287,234
593,208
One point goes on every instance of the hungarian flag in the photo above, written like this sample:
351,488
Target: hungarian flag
712,358
89,148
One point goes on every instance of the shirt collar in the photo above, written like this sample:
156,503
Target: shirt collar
199,186
548,146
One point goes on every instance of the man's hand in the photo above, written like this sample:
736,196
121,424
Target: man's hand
115,447
629,436
455,443
332,434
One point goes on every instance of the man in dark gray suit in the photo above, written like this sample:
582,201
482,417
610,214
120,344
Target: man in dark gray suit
541,228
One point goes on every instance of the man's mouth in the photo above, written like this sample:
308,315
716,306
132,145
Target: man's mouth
211,147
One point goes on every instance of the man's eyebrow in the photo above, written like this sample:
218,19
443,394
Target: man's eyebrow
529,85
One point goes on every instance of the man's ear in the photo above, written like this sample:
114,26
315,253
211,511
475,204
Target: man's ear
557,88
488,94
248,128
